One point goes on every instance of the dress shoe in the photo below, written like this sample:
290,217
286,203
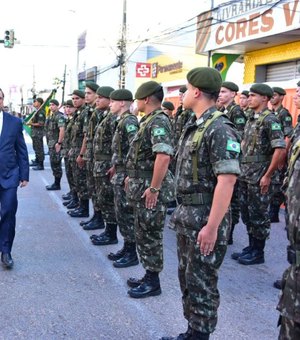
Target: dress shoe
149,287
38,167
53,186
7,260
278,284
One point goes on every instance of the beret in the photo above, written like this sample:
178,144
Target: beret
69,103
182,89
230,86
79,94
121,94
92,86
245,93
168,105
207,79
40,100
298,84
279,90
147,89
104,91
54,101
262,89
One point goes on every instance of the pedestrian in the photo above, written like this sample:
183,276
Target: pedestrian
206,171
150,186
14,171
55,136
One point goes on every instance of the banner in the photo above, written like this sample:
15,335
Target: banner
222,62
143,70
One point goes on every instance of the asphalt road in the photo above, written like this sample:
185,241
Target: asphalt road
63,287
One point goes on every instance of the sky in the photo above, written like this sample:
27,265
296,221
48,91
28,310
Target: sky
47,33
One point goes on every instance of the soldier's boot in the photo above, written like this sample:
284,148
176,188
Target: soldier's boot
274,213
73,204
149,287
235,256
278,284
182,336
39,166
256,255
96,222
109,236
119,254
33,163
197,335
230,239
130,257
133,282
68,196
82,211
55,185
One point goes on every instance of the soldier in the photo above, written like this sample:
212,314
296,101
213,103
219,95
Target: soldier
127,127
168,108
244,103
263,149
55,137
285,119
102,104
37,133
150,186
206,170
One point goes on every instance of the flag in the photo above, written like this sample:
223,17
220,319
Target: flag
143,70
222,62
44,106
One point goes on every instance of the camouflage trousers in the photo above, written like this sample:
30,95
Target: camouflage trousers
105,199
198,279
79,175
148,228
289,329
124,212
69,174
55,162
254,210
278,196
235,204
38,147
91,182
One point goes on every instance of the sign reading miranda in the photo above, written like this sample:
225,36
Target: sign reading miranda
236,22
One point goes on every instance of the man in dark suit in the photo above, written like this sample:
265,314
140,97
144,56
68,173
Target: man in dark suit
14,171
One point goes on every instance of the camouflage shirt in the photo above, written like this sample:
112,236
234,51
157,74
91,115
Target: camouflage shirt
89,131
236,116
77,131
296,131
260,140
285,120
39,117
54,123
181,118
66,145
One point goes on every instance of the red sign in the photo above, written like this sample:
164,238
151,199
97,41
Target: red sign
143,70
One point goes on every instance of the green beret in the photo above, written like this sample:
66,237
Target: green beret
104,91
121,94
54,101
78,93
92,86
245,93
168,105
182,89
279,90
206,79
40,100
230,86
147,89
69,103
262,89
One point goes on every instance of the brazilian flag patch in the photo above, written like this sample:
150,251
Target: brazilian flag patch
159,132
240,120
233,146
276,126
288,119
130,128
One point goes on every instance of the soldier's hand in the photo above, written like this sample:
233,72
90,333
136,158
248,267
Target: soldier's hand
111,172
264,184
126,183
150,198
80,161
206,239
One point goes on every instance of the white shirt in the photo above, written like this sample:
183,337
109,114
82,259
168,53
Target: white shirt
1,121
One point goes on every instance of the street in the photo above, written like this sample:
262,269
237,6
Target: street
63,287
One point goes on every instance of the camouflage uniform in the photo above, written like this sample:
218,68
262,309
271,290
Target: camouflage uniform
217,154
181,118
66,146
37,134
126,129
153,137
55,121
289,303
260,140
102,155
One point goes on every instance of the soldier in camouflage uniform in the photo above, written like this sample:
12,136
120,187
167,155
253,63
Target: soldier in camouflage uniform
102,104
55,136
37,133
244,103
127,127
263,149
285,120
150,186
237,117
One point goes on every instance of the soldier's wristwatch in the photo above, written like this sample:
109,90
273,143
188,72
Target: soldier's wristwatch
154,190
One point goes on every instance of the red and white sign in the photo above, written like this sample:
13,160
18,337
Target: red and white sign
143,70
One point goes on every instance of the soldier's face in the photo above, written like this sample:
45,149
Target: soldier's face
226,96
243,101
188,97
276,99
77,101
116,106
140,103
90,96
102,103
255,100
53,107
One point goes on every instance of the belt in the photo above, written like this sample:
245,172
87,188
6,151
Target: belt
120,168
102,157
196,198
293,256
140,173
256,159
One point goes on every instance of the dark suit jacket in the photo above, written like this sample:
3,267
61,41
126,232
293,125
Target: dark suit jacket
14,163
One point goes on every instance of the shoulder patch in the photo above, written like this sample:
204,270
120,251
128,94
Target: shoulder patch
233,146
159,131
288,119
131,127
276,126
240,120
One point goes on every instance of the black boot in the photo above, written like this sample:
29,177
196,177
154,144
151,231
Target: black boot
133,282
235,256
119,254
82,223
33,163
182,336
109,236
55,185
274,213
73,204
82,211
149,287
68,196
278,284
39,166
196,335
256,255
230,239
130,257
96,223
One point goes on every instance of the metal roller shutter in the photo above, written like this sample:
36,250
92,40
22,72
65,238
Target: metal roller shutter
283,71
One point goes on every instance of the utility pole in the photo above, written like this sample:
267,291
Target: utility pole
63,85
122,47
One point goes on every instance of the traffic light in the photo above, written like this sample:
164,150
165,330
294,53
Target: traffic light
9,38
